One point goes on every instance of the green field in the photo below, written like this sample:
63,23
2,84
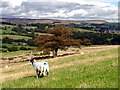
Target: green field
16,37
12,26
10,54
84,30
97,68
33,27
5,25
7,32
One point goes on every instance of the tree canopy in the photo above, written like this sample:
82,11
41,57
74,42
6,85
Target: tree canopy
59,39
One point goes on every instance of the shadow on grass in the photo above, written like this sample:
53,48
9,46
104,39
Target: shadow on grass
33,76
47,57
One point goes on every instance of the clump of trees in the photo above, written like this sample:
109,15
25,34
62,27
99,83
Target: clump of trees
13,48
97,38
40,27
59,39
6,48
8,40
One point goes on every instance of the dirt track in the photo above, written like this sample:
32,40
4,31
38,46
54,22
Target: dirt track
16,70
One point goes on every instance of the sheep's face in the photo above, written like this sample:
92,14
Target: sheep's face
30,63
31,60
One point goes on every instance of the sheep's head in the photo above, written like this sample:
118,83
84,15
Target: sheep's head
32,60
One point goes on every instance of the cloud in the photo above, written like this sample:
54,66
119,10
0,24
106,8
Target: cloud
72,9
4,4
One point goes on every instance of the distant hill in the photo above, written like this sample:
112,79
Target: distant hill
48,21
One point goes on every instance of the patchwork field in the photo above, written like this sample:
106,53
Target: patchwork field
91,67
16,37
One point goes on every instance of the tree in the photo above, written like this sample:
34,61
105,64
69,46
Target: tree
60,31
58,40
7,40
86,42
30,42
13,48
41,26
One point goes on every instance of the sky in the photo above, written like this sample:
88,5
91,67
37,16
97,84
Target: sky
60,9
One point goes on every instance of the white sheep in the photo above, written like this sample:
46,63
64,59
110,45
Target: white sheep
40,67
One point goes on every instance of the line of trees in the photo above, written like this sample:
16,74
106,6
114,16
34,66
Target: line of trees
98,38
8,40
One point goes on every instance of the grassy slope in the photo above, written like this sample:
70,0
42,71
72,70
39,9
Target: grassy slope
20,52
6,32
9,30
5,25
15,53
90,74
84,30
11,26
16,37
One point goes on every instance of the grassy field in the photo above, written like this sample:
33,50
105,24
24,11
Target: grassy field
5,25
10,45
84,30
96,68
16,37
15,53
33,27
7,32
12,26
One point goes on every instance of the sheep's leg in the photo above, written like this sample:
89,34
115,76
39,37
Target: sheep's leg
43,72
47,70
37,73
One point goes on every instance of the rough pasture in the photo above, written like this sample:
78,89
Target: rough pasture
96,68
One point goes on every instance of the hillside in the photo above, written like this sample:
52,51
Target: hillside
49,21
98,34
95,67
92,66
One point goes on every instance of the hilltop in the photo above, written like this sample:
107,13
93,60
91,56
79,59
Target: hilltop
48,21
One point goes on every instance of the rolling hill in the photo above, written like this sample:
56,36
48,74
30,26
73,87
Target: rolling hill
29,21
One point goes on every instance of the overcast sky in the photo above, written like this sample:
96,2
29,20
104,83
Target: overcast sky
60,9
